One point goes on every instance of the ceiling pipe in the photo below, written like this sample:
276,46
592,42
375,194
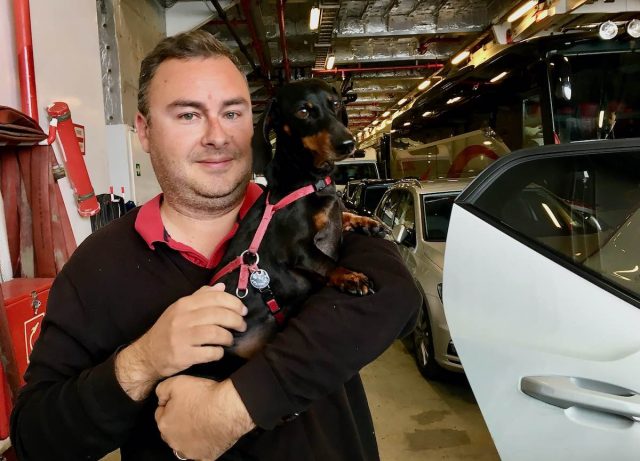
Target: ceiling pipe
243,48
283,40
220,22
24,51
376,69
265,65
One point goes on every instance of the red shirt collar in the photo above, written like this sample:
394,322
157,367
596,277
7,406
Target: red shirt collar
150,227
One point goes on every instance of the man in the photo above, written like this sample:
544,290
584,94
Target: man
131,308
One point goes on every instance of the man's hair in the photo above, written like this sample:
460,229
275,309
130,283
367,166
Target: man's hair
194,44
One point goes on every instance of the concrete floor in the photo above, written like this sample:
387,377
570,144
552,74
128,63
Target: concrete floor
417,420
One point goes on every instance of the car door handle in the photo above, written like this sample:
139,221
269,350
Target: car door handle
566,392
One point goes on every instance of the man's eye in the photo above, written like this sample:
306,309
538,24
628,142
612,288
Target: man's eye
302,113
231,115
189,116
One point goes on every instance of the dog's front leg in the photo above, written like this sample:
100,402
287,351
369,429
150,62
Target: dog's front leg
346,280
368,226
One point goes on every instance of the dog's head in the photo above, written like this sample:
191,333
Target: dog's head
309,119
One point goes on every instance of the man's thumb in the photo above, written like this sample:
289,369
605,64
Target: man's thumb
218,287
163,391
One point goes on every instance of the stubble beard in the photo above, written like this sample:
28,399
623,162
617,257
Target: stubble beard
194,199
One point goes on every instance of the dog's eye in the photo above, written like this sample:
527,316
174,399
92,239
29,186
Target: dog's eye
335,105
302,113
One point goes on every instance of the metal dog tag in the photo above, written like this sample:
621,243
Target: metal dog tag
259,279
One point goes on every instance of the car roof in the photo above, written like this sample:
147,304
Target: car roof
434,186
355,160
375,182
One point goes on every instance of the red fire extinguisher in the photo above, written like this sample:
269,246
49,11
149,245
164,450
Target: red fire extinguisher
74,163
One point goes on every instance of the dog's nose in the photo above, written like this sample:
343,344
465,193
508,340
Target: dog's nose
346,147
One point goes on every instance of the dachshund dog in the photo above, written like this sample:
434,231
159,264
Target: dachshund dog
299,250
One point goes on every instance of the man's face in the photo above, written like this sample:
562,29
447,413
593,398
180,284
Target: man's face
198,133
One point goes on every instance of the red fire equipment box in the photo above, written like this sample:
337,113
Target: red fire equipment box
25,302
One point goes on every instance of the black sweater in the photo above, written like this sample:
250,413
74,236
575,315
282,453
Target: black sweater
114,288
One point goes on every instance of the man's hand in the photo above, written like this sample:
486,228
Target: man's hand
190,331
199,418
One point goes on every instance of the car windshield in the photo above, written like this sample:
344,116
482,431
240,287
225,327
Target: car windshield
347,171
373,195
437,213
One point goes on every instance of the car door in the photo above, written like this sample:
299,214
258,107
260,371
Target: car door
542,296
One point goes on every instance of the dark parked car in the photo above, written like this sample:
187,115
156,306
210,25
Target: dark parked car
366,195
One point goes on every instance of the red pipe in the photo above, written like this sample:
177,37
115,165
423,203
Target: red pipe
378,69
283,40
24,51
265,65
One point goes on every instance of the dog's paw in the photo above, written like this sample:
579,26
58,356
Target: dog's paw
351,282
356,223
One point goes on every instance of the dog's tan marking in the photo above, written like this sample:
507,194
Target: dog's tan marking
286,129
318,142
320,220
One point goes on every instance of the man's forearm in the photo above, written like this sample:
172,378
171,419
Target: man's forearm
134,373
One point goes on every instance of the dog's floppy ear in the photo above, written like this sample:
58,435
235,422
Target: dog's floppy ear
343,108
260,144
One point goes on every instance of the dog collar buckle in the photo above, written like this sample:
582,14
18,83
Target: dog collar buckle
322,183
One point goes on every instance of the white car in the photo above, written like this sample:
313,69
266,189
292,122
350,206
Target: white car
542,295
416,213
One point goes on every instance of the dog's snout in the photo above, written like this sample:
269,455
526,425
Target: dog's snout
346,147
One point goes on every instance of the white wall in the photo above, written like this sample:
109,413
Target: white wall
9,89
67,67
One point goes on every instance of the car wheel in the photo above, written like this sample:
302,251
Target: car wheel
423,347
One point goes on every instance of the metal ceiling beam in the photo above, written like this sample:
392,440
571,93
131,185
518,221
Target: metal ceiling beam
257,42
283,40
234,34
377,69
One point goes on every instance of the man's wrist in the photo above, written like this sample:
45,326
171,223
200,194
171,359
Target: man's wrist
133,372
238,413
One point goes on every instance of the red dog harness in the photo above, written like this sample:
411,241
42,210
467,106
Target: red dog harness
249,259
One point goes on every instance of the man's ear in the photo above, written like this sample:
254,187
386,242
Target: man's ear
142,128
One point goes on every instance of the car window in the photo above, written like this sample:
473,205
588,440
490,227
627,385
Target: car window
388,208
347,171
437,213
583,209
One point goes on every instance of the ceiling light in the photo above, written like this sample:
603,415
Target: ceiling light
500,76
427,113
633,28
407,123
456,99
424,85
314,18
460,57
402,101
608,30
386,114
331,60
524,9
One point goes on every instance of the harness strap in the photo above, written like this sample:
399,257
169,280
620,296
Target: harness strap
252,252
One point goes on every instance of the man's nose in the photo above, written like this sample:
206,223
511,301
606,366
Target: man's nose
215,135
